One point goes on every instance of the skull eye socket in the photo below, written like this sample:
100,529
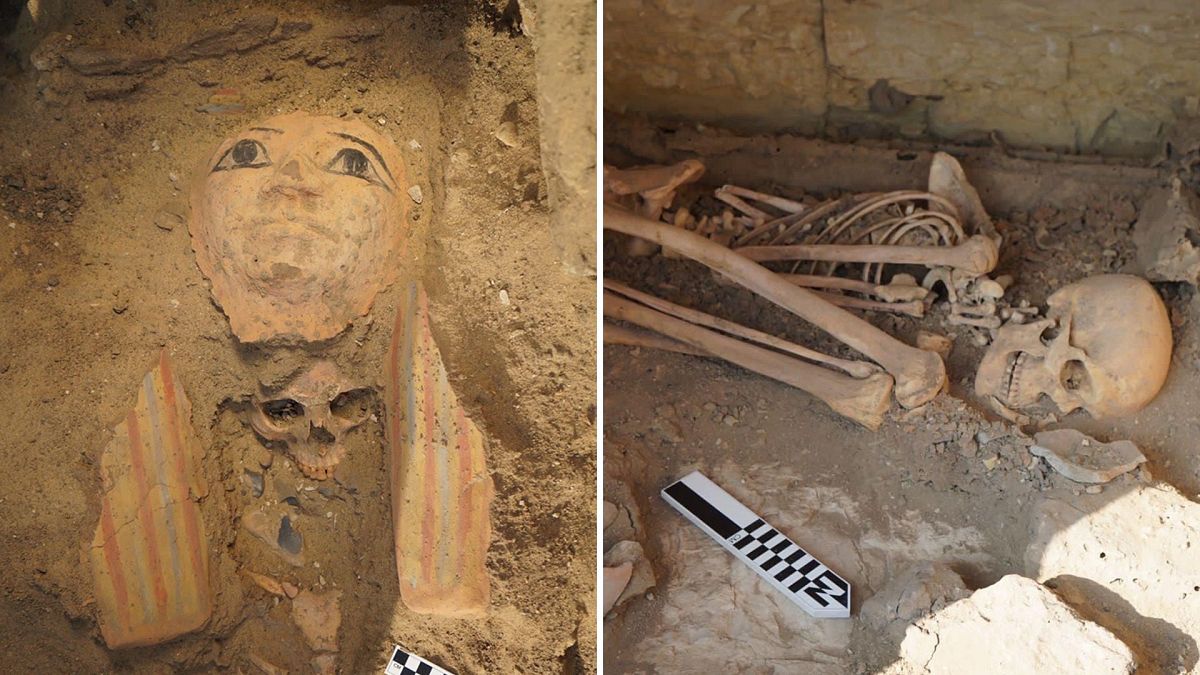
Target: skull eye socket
351,405
283,409
1074,376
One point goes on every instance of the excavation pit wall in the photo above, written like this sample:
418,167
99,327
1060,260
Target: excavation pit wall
1109,78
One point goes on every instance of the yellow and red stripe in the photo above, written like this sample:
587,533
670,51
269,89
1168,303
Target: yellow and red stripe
149,555
441,489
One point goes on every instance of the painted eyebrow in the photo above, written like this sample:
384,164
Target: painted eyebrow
368,146
267,129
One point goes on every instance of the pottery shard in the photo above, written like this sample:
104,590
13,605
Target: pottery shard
149,556
1084,459
642,572
916,593
1167,233
318,617
1013,626
240,36
100,61
615,580
1131,562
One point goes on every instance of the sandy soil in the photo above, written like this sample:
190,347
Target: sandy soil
922,485
97,277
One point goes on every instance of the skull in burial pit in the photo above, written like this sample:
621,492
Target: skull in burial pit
1104,346
297,221
312,416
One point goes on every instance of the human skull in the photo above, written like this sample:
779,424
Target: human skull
1104,346
297,222
312,416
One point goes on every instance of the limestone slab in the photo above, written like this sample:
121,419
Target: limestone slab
1131,559
1013,626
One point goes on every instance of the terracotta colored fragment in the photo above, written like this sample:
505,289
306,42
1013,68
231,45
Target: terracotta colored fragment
265,582
149,555
297,221
318,617
266,527
441,489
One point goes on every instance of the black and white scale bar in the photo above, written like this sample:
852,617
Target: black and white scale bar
786,566
405,663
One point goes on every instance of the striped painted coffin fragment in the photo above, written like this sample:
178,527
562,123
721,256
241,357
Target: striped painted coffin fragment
149,555
441,489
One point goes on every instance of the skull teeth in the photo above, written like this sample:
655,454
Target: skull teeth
1013,383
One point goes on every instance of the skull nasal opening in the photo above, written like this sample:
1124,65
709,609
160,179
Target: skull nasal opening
321,435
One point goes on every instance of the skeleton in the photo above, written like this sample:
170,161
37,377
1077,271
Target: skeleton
1104,347
945,229
919,375
311,417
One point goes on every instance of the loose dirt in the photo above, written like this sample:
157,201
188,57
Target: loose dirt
97,276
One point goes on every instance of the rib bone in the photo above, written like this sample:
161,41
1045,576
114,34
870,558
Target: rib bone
919,374
977,255
782,203
863,401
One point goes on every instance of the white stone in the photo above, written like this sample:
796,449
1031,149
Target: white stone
1132,558
915,593
1013,626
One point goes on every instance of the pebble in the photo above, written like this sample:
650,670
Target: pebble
504,297
263,457
52,282
414,193
254,480
289,539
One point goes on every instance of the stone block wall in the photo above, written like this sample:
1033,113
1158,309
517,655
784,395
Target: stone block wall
1115,77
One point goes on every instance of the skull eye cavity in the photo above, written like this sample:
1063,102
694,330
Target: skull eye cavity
351,405
1049,334
1074,375
283,410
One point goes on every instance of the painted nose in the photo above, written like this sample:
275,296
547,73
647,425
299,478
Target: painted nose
291,170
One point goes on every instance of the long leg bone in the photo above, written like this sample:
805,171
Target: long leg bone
977,255
616,334
919,374
863,401
858,369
